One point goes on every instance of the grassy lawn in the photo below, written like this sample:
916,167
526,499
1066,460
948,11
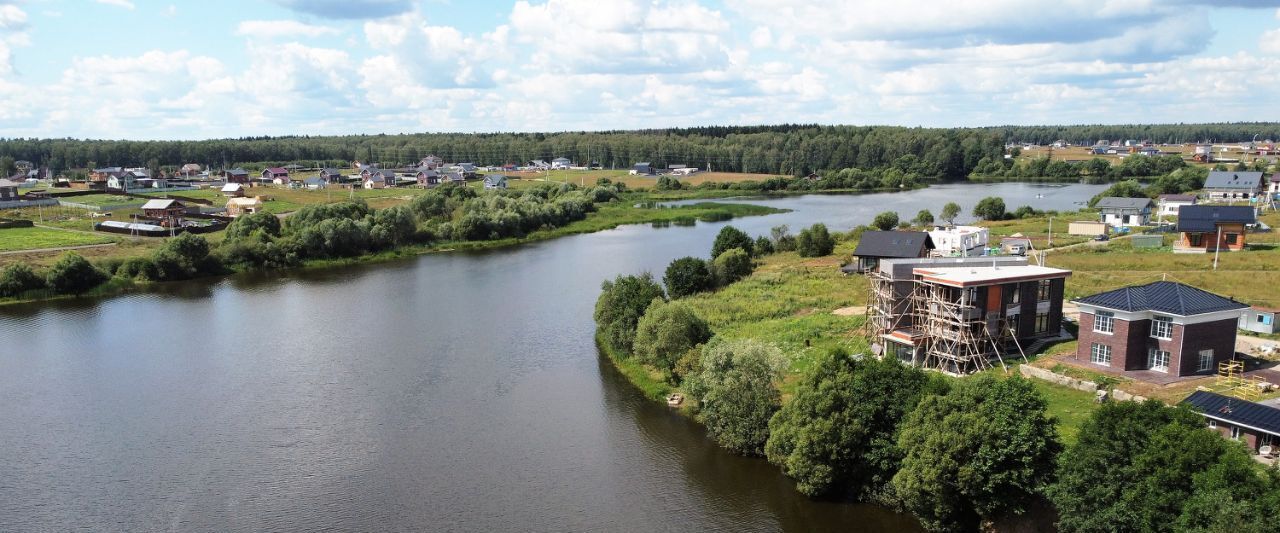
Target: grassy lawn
13,239
100,199
1037,229
1071,407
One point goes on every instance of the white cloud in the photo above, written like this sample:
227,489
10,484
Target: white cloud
282,29
117,3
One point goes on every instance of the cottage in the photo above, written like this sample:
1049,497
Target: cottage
243,206
464,168
315,183
8,190
378,179
1259,319
455,178
1207,228
233,190
962,315
642,169
1254,424
538,164
330,175
877,245
1231,185
237,175
190,169
495,181
561,163
168,212
427,177
1121,212
1170,203
1164,326
966,241
276,175
431,162
128,179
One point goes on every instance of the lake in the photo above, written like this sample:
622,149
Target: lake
452,391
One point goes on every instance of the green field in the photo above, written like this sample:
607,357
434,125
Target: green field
13,239
1037,229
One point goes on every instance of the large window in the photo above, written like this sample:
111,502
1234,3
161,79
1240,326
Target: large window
1158,360
1043,290
1042,323
1196,239
1104,322
1206,360
1100,354
1015,294
1162,327
1235,432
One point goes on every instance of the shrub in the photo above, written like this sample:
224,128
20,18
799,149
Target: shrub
924,218
262,223
622,302
731,237
688,275
735,392
73,274
732,265
19,278
885,221
815,241
666,332
783,240
139,268
989,208
764,246
182,257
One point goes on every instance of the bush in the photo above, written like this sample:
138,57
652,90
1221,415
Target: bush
18,278
73,274
139,268
731,237
621,304
989,208
735,392
783,240
666,332
764,246
732,265
815,241
924,218
182,257
262,223
885,221
688,275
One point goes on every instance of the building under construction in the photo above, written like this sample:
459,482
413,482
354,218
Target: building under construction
961,315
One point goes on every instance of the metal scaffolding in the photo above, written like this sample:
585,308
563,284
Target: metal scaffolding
959,337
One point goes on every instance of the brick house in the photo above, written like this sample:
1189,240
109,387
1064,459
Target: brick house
1208,228
237,175
168,212
1254,424
1162,326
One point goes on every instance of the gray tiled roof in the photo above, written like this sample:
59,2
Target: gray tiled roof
893,244
1116,202
1207,217
1164,297
1236,411
1233,180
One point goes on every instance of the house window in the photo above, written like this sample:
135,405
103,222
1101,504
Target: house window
1042,323
1158,360
1104,322
1206,360
1196,239
1213,424
1232,238
1162,327
1015,294
1043,290
1100,354
1235,432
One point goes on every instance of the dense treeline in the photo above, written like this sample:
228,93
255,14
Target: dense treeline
1095,170
1226,132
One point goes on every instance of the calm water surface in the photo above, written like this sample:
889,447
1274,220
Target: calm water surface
445,392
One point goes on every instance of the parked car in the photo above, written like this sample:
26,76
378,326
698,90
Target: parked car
1101,237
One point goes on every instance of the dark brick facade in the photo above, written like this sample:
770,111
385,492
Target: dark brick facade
1131,342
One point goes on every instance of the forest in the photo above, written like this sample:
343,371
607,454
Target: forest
789,149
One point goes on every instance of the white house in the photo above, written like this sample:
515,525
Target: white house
1170,203
1117,211
963,241
560,163
495,181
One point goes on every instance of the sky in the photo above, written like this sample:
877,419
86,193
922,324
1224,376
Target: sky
138,69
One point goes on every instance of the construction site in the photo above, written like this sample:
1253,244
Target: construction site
963,315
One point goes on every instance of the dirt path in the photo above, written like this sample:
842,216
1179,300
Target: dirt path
57,249
857,310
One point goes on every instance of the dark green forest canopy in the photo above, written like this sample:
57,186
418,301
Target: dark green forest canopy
791,149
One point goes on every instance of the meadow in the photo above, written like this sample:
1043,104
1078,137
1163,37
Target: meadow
13,239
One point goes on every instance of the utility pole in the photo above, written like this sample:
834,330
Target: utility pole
1050,243
1217,247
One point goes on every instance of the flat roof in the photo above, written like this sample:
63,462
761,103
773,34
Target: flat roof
989,275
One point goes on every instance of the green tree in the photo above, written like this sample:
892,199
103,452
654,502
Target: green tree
989,208
1122,189
1260,164
8,166
262,223
1097,166
182,257
783,240
688,275
982,451
924,218
73,274
1231,496
764,246
622,302
666,332
950,212
886,221
18,278
732,265
838,434
815,241
729,238
735,392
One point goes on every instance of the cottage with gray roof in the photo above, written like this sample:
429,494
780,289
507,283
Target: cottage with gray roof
876,245
1118,211
1165,327
1211,228
1255,424
1233,185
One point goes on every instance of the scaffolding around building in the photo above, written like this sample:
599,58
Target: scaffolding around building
958,336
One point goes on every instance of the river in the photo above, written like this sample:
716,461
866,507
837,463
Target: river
453,391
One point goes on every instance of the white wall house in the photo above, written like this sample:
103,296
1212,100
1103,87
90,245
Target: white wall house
963,241
1169,203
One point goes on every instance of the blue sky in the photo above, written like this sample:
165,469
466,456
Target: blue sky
143,69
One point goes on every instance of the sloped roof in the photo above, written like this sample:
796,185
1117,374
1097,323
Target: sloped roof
245,202
330,172
276,170
1117,202
495,178
232,187
161,204
893,244
1235,411
1233,180
1178,197
1164,297
1207,217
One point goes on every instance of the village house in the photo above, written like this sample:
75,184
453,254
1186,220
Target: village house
962,315
315,183
1208,228
876,245
379,178
168,212
330,175
1254,424
1117,211
686,171
561,163
1232,185
237,175
243,206
426,177
495,181
8,190
233,190
431,162
538,164
1259,319
642,169
1163,326
1169,204
456,178
952,241
101,175
128,179
190,169
276,175
1273,186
